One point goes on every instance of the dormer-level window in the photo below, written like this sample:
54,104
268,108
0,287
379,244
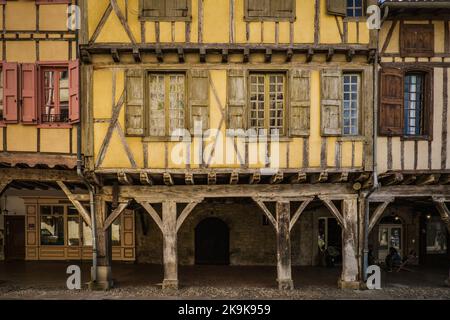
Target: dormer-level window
269,10
354,8
165,10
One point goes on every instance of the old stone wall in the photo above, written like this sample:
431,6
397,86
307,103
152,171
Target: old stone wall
251,242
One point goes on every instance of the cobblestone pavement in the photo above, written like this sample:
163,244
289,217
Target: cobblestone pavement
42,280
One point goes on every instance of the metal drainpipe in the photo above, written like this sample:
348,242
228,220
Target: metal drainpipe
374,153
91,205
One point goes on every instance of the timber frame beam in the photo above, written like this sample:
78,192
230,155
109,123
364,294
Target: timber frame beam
379,212
76,201
147,205
443,210
304,203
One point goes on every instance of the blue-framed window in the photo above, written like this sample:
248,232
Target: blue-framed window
352,84
413,103
355,8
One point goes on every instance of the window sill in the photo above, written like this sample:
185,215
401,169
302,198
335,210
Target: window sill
187,19
55,126
351,138
273,19
355,19
415,138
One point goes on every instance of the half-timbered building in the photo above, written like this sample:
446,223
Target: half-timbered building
239,132
408,209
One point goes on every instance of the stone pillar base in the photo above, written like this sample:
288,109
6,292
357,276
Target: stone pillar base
285,284
103,278
353,285
170,284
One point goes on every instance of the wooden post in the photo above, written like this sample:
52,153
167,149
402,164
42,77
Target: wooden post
103,276
284,246
350,278
170,255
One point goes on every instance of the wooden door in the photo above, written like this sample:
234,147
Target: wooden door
15,237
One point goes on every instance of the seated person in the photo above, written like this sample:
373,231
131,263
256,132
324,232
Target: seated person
393,259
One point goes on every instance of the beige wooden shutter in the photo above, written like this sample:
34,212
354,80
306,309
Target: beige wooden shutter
331,100
134,112
237,99
300,102
152,8
282,8
177,8
337,7
199,97
258,8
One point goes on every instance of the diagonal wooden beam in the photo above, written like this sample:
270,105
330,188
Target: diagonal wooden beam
267,212
101,24
76,203
112,124
152,212
299,212
330,205
4,184
114,215
185,213
443,210
378,213
123,21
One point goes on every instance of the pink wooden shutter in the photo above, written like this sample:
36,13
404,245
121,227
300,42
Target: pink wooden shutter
10,112
29,105
74,87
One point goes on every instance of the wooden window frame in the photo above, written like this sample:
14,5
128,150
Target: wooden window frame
427,104
359,101
166,73
363,13
165,17
266,74
269,18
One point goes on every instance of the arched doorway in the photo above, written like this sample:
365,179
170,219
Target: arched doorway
212,242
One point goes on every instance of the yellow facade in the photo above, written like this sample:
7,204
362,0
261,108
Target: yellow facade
222,27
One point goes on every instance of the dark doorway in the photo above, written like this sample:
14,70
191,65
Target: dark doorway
15,237
212,242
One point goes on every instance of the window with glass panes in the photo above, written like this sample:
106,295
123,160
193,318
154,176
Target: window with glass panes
351,83
413,102
166,103
355,8
267,102
55,94
63,225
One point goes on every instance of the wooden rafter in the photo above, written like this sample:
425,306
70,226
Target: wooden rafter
168,180
124,178
145,179
114,215
378,213
75,199
234,177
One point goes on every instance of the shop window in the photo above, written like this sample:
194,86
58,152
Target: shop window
52,225
115,232
436,236
73,227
